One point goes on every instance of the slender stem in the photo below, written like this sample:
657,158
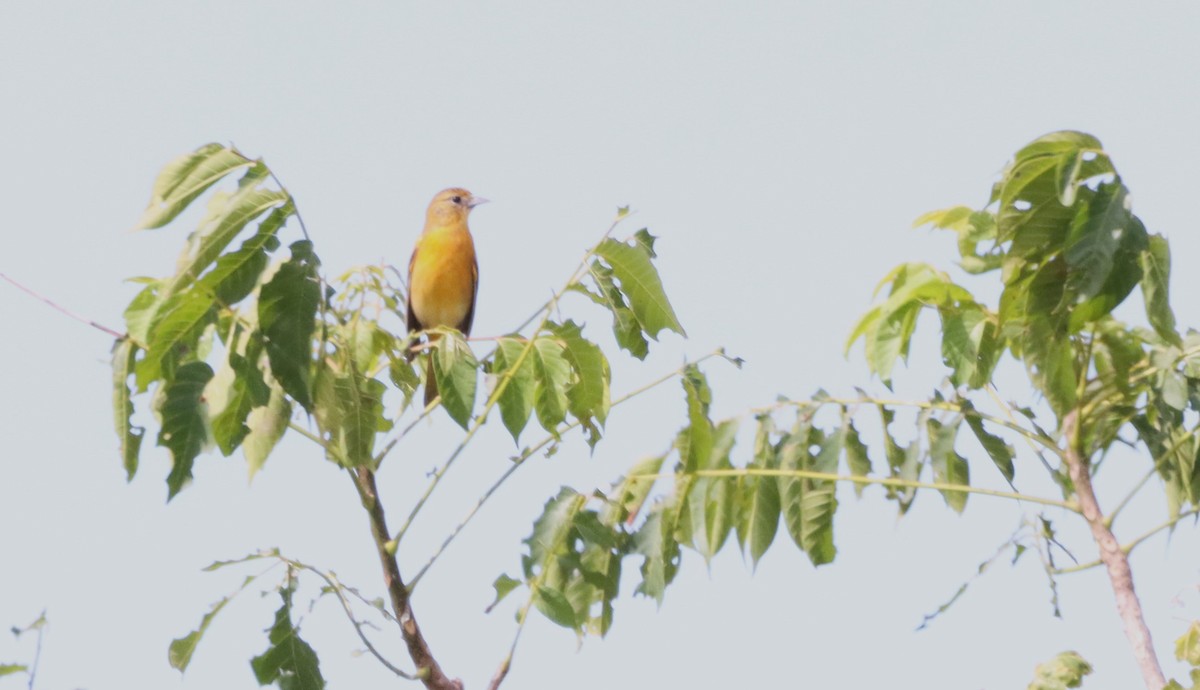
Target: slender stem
1113,556
586,257
63,310
506,664
37,651
1128,548
306,434
882,481
295,206
530,452
428,670
1108,521
338,589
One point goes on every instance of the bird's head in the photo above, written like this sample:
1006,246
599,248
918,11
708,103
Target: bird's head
451,206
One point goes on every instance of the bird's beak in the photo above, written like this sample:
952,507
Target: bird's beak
475,201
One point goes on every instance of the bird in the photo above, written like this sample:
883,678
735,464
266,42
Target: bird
443,274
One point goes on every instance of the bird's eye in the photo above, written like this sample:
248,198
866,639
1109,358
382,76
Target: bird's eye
456,199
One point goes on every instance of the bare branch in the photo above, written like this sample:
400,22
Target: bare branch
428,670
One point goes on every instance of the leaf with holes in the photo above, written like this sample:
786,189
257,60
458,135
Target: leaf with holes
184,429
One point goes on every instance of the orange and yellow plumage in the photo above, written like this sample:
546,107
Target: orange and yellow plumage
443,274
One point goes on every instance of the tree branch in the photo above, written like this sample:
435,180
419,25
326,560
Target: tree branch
428,670
1114,558
68,312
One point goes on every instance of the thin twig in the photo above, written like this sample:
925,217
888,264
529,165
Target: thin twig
530,452
295,206
63,310
1115,559
1108,520
37,650
506,664
1129,547
338,589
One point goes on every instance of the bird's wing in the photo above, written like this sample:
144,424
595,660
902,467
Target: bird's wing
413,324
465,326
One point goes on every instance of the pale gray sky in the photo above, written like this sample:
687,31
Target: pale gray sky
780,150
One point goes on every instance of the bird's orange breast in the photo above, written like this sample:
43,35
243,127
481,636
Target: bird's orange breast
442,280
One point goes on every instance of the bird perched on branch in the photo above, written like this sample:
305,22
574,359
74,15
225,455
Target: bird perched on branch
443,276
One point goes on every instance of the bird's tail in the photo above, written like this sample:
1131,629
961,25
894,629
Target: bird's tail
431,389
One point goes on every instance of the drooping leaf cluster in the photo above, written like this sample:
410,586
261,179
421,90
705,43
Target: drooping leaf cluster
1059,235
573,564
1059,232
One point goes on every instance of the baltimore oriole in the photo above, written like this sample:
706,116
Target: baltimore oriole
443,275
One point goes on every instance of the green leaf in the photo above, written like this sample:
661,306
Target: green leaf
698,435
236,390
1092,242
808,505
455,366
710,499
1063,671
186,178
130,436
228,216
503,586
630,493
1156,272
516,400
970,346
551,374
857,458
588,397
287,310
141,311
948,466
184,428
641,285
175,335
9,669
888,328
655,541
551,529
180,652
404,378
267,425
1000,452
349,412
1126,273
626,328
763,507
1187,647
289,660
555,606
236,274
